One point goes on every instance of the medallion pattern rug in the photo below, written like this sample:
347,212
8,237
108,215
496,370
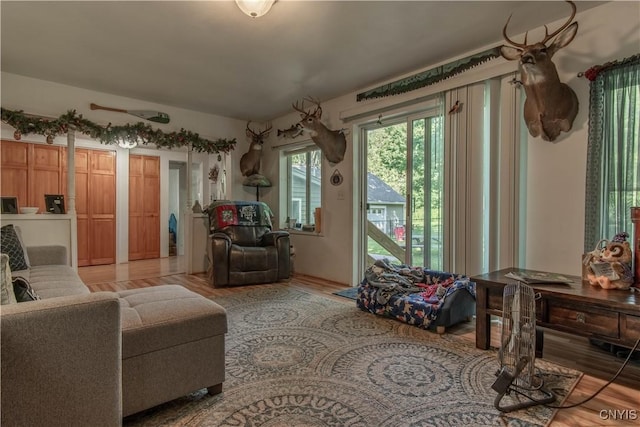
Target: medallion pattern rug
298,359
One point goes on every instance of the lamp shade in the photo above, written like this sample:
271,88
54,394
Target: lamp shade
255,8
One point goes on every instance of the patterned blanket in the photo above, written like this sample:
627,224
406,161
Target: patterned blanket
224,213
410,294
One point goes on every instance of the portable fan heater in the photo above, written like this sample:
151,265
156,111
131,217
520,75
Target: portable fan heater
517,351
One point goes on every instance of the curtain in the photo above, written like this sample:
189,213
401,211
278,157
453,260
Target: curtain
612,174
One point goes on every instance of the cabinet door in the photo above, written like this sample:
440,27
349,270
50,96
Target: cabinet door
45,175
14,170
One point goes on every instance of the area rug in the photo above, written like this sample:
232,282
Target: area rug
298,359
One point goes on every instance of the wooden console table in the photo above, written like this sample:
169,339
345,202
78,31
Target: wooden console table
608,315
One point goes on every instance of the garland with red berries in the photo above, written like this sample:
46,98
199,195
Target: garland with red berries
141,132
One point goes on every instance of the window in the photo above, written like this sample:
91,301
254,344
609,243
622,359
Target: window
304,184
613,162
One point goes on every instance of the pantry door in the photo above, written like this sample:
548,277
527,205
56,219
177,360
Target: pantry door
144,207
95,204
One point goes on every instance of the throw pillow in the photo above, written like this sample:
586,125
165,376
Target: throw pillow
6,286
24,247
10,244
23,290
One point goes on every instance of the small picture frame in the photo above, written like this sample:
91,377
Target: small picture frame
54,203
9,205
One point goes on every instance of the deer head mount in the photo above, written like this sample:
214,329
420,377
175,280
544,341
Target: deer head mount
551,106
332,143
250,161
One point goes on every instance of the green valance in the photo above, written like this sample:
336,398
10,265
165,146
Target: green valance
431,76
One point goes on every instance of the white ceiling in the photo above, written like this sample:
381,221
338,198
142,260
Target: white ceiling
210,57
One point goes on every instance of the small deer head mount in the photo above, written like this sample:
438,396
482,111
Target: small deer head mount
250,161
332,143
551,106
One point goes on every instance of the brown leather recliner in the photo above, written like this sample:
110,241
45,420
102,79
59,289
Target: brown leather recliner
248,254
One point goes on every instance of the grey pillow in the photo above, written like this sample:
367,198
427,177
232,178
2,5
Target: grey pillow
10,244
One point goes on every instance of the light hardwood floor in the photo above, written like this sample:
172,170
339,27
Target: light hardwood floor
617,405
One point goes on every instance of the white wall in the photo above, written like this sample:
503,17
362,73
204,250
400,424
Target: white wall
52,99
555,172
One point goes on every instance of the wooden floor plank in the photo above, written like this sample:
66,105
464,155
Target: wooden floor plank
567,350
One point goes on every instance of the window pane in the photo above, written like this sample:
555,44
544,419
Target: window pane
305,185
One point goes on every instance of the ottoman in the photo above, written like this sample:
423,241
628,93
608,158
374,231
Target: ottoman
172,345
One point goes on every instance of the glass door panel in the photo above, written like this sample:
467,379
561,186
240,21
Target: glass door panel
386,205
404,192
427,189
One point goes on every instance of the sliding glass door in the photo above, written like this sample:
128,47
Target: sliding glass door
404,191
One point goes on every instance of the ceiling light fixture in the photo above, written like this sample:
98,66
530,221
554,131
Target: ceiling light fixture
127,143
255,8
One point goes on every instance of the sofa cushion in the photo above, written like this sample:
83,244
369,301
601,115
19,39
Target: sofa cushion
51,281
164,316
12,246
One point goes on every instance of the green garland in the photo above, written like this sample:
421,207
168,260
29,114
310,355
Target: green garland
141,132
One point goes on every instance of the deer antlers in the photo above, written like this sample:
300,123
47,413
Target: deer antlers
257,136
316,113
547,36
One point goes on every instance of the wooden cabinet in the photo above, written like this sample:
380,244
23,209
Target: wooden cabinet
14,171
29,171
144,207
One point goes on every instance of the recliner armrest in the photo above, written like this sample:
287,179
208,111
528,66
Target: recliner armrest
271,238
221,236
219,259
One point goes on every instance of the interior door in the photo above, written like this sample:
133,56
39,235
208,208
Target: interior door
144,207
404,191
95,182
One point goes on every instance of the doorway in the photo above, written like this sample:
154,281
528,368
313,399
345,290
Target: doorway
404,191
177,202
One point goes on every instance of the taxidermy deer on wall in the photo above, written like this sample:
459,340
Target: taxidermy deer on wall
332,143
250,161
551,106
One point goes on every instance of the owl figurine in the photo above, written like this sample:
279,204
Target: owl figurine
612,269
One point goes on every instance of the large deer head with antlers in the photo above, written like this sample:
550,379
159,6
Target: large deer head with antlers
332,142
551,106
250,161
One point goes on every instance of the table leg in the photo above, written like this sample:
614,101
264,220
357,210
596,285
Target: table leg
483,320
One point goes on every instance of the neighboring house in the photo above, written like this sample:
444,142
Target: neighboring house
299,194
385,206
